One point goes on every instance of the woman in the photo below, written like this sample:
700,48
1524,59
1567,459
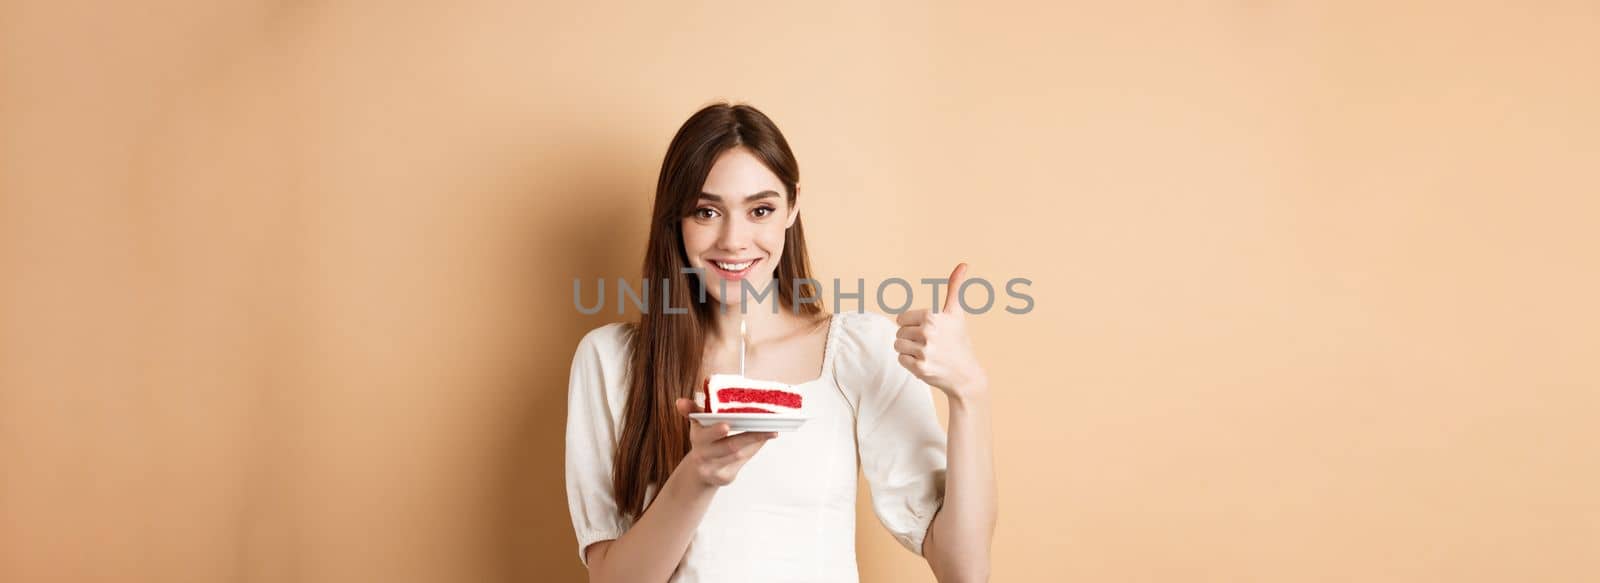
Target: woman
655,496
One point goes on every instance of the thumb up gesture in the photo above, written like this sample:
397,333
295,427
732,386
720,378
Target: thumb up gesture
935,347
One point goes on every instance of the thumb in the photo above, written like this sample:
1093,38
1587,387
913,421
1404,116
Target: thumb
682,405
952,301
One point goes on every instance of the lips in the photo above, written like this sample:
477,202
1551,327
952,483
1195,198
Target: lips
735,268
734,265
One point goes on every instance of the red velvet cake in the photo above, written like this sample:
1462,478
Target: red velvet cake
729,393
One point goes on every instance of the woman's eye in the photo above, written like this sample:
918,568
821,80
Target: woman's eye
762,212
705,213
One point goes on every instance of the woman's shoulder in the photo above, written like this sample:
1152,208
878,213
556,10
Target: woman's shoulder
865,345
607,342
864,327
866,367
600,365
608,333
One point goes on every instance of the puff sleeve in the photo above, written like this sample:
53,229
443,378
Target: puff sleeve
595,398
898,436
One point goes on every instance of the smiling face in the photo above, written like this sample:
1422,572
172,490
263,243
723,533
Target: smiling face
737,229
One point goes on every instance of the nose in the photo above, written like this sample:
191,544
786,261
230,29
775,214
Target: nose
734,236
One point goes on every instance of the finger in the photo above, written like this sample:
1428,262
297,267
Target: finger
909,348
703,434
915,333
683,406
701,437
732,466
726,449
952,301
912,364
747,451
911,317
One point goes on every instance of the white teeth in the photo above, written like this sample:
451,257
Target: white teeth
732,266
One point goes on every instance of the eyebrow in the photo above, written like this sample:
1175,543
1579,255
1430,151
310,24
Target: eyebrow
751,198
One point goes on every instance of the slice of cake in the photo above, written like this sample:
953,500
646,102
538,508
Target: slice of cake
730,393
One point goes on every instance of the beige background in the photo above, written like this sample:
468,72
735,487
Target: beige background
285,287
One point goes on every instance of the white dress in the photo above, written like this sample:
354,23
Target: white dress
790,513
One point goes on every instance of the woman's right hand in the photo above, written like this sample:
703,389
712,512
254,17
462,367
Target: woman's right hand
714,456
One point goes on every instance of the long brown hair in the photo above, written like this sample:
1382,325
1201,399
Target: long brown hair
667,348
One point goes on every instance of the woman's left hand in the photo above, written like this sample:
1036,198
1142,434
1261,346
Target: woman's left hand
935,346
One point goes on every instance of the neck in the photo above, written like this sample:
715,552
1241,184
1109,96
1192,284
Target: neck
759,321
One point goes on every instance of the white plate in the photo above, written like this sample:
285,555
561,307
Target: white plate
750,421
